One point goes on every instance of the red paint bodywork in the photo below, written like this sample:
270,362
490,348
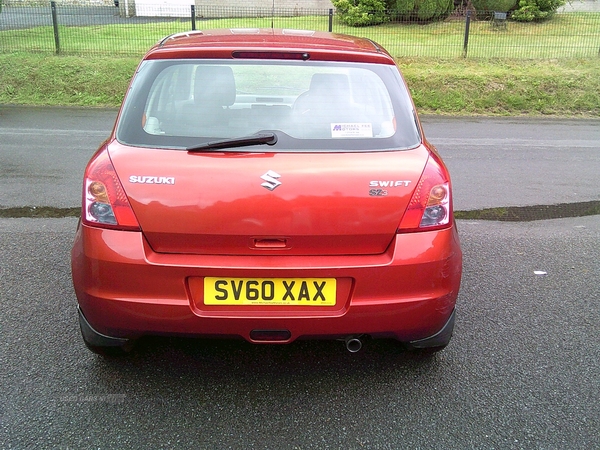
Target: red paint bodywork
125,289
208,223
219,44
321,207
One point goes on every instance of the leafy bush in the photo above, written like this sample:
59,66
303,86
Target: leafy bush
536,10
361,13
422,10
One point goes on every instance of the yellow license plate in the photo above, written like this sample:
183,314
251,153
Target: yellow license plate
270,291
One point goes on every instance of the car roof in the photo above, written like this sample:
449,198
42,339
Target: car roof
265,43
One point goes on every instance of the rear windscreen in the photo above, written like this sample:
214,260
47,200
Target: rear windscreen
309,106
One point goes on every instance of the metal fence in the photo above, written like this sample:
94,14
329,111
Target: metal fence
109,30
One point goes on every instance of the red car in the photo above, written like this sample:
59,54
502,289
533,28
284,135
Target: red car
271,185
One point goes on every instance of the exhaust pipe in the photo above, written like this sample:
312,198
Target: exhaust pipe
353,343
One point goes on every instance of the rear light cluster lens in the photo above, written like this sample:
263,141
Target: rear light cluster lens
104,200
437,210
99,208
430,206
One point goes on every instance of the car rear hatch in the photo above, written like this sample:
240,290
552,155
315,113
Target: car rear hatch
242,203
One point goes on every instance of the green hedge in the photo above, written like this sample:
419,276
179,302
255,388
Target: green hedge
361,13
422,10
484,7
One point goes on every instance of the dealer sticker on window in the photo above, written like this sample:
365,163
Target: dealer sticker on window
270,291
351,130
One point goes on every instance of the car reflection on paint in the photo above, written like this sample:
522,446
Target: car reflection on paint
272,185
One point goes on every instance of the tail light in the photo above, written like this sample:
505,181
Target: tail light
105,203
430,207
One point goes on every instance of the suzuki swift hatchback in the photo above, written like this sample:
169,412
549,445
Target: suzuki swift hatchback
268,184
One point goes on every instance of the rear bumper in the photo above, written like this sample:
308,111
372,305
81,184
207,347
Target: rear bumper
95,338
439,339
125,290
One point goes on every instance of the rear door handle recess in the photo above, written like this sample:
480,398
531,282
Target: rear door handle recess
270,243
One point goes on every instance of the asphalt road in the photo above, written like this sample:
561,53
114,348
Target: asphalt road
494,162
522,370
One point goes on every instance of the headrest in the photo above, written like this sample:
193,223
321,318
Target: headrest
329,82
214,85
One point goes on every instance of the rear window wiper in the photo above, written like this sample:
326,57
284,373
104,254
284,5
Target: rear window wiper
244,141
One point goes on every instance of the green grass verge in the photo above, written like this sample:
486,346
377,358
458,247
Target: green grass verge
505,87
35,79
453,86
548,68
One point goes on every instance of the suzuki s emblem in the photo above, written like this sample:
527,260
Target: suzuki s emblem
271,181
